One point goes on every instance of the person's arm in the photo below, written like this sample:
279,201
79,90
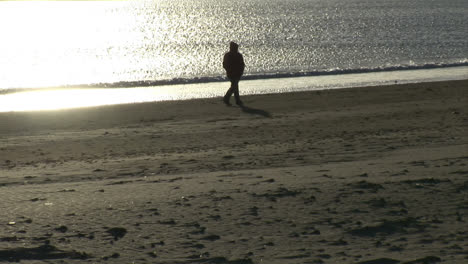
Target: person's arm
242,64
225,62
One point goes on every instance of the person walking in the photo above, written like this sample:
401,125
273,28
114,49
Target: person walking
233,63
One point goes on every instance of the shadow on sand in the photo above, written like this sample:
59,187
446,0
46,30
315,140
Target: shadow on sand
254,111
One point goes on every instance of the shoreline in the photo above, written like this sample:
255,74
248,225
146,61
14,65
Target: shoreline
360,175
17,121
248,77
70,97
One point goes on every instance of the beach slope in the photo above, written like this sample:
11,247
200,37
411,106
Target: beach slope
362,175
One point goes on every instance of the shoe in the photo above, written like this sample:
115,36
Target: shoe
239,103
226,102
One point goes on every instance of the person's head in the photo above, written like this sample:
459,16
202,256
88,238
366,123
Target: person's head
233,46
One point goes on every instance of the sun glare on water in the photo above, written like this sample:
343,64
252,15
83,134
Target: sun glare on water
49,43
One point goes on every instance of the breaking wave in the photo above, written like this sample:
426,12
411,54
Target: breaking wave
210,79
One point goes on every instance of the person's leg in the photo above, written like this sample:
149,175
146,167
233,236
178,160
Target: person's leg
235,88
228,94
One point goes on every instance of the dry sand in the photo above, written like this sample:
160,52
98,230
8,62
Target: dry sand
367,175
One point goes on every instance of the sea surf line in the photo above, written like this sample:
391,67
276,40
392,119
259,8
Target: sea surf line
56,99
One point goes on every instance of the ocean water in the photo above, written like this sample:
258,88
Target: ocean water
113,44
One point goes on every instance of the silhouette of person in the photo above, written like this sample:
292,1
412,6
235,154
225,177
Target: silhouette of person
233,63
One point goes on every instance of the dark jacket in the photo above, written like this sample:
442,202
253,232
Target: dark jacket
233,63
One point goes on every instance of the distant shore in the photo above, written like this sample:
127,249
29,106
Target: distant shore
363,175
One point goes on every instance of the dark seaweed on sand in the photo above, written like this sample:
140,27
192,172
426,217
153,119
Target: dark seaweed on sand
389,227
43,252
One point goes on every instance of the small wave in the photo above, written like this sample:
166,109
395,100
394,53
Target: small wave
179,81
339,71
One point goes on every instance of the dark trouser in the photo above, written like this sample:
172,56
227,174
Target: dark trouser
233,89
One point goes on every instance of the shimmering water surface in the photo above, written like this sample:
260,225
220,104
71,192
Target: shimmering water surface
147,43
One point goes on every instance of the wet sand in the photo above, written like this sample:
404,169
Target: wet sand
364,175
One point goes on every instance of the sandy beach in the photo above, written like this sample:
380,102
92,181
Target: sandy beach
374,175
